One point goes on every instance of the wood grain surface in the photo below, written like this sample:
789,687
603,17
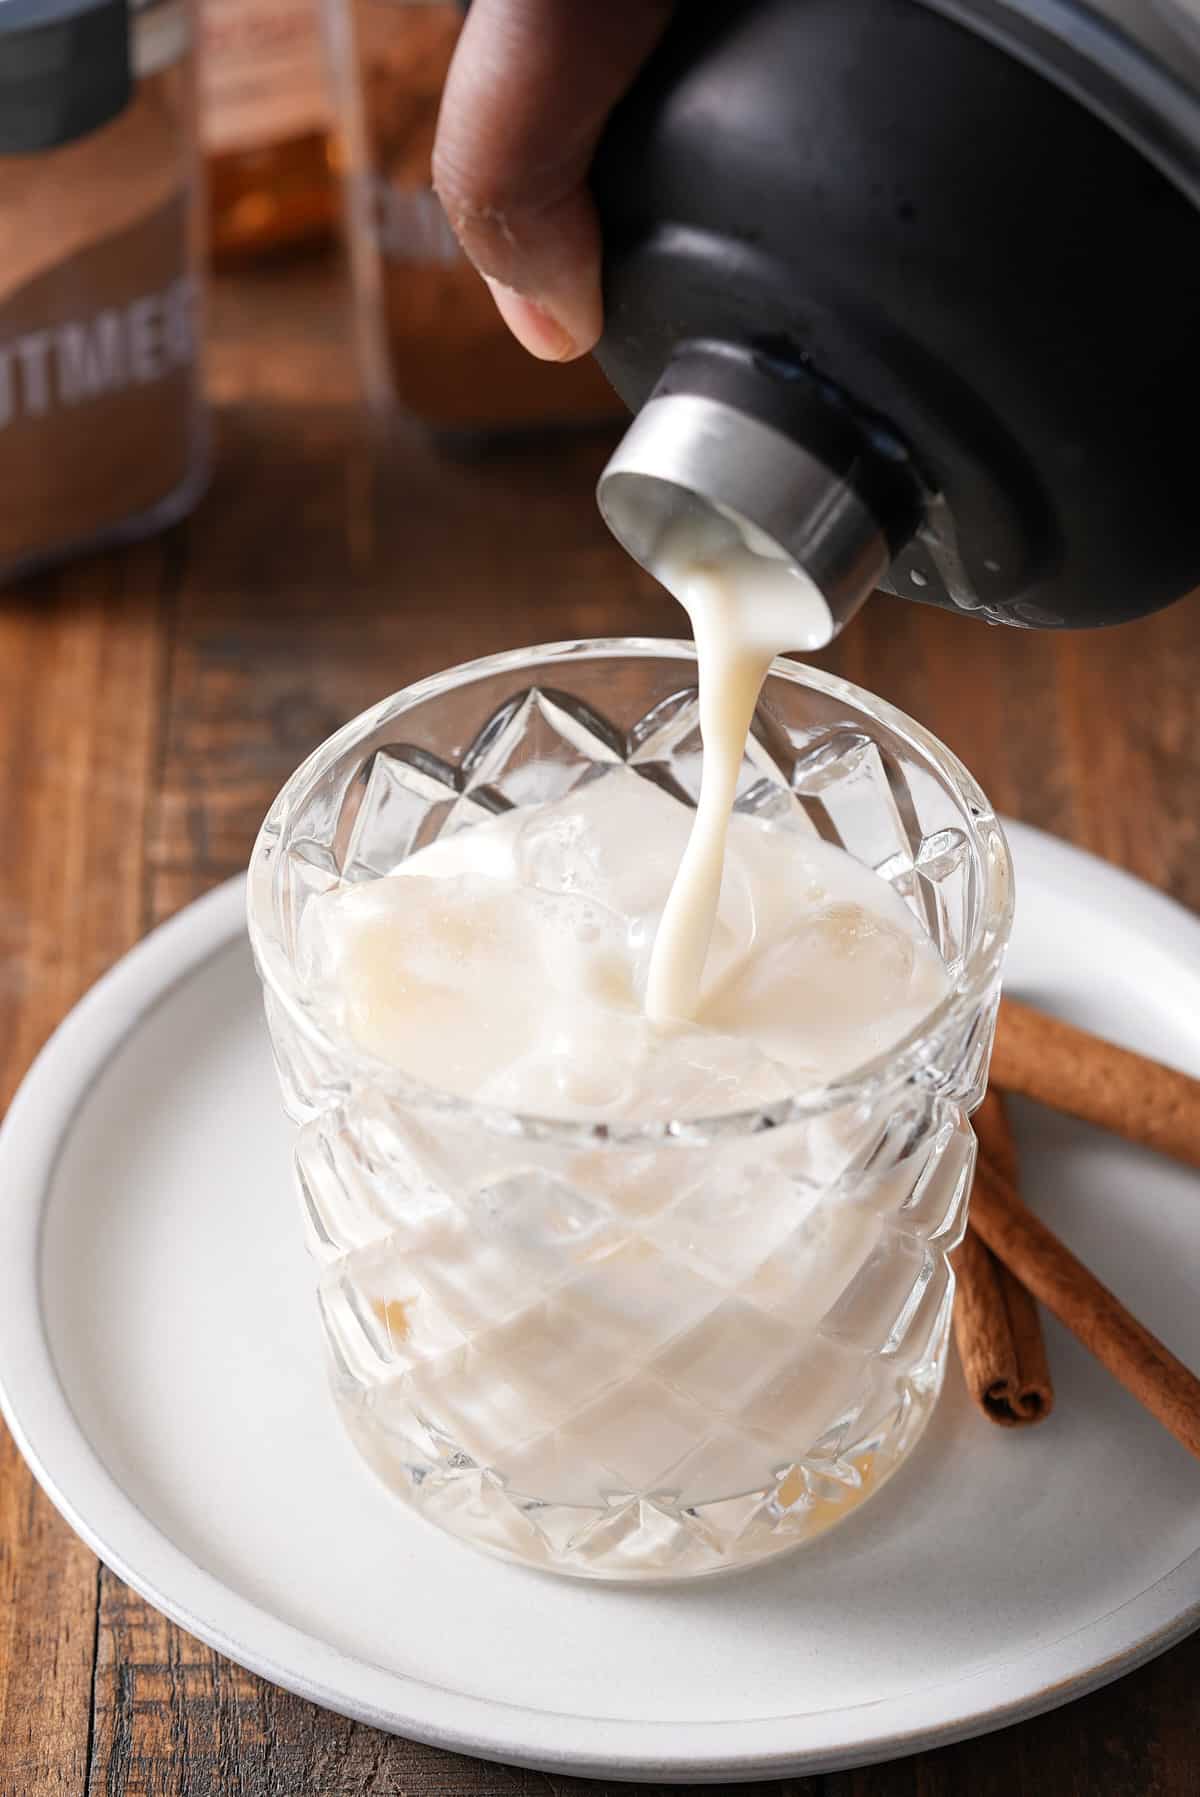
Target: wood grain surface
151,703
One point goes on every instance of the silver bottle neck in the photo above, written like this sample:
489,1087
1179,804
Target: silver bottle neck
687,453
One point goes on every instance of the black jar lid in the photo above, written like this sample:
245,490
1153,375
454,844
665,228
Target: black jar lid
64,70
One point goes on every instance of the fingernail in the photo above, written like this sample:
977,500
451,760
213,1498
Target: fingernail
534,327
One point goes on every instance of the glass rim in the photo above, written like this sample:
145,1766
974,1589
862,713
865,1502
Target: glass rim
891,1067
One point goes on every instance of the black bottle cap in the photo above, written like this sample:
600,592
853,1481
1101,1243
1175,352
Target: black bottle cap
64,70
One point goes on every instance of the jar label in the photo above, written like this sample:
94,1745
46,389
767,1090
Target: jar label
98,385
262,73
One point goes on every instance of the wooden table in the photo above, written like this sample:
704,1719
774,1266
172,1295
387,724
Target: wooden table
152,702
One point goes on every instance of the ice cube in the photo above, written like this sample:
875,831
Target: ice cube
619,841
584,1062
844,977
455,980
850,933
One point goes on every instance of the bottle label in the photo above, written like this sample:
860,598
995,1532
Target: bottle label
262,73
99,385
86,359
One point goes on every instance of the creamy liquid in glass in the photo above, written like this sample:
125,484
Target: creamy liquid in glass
509,963
607,1321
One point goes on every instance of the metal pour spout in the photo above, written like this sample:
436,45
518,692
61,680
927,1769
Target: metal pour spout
793,474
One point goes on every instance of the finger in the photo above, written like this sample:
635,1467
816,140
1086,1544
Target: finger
529,90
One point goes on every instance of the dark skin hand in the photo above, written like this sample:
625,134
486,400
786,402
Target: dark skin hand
530,88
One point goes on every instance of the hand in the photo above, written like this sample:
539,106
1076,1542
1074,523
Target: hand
527,97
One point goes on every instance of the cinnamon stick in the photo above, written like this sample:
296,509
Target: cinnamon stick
1093,1314
1066,1068
993,1132
996,1324
1000,1344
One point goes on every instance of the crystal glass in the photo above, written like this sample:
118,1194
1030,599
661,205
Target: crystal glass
634,1350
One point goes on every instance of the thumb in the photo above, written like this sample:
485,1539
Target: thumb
526,99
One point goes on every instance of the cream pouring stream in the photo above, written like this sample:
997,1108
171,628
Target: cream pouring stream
747,605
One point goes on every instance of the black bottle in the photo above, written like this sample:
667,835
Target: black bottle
915,292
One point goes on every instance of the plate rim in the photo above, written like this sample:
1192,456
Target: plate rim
92,1502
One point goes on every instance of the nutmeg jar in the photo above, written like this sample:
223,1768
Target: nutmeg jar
102,420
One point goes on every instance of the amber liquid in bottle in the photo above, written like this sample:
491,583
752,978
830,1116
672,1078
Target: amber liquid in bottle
272,183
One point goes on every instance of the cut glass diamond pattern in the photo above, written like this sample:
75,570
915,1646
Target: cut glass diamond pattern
587,1357
408,799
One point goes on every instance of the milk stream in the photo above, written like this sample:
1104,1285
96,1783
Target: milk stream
746,607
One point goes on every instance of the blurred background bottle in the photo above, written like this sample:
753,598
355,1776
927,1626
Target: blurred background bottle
103,427
266,128
433,345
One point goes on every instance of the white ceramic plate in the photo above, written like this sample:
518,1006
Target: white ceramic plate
160,1367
